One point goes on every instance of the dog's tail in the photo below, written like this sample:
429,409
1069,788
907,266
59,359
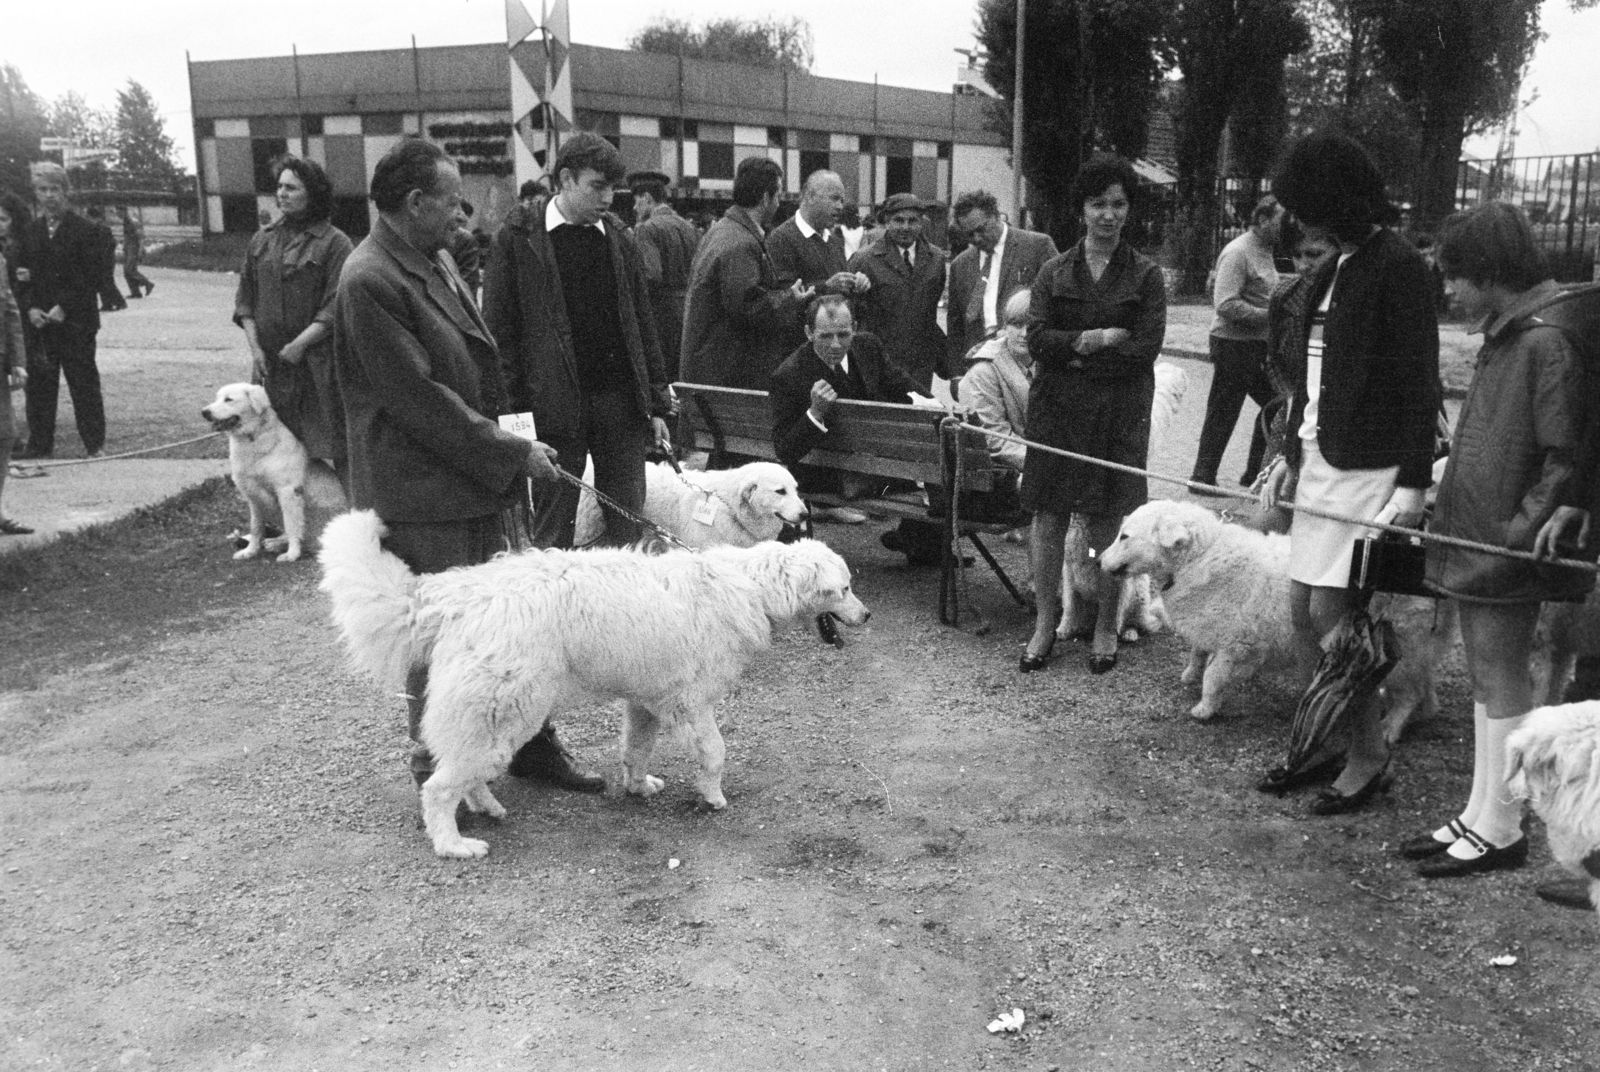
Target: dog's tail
1172,383
372,597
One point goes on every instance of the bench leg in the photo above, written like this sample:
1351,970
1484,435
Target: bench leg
999,572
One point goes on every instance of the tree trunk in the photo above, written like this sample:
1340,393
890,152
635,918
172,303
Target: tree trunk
1434,198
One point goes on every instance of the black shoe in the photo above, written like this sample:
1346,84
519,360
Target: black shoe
1029,663
1281,780
9,527
1421,848
1332,802
544,759
1566,892
1102,664
1491,858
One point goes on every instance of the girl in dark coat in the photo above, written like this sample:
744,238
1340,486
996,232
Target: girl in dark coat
1098,315
1513,462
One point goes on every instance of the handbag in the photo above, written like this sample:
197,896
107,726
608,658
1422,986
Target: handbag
1389,563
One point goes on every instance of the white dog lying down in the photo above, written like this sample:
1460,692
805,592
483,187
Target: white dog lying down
1226,591
1554,763
1140,610
522,637
733,507
272,471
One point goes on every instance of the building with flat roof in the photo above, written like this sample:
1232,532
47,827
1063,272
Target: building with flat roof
691,119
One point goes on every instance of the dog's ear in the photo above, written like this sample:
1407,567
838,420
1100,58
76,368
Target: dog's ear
1173,535
258,398
748,488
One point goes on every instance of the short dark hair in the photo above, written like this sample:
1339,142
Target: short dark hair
1100,173
531,188
1265,209
826,301
1492,244
319,188
412,163
1328,180
975,199
754,179
655,191
586,150
18,210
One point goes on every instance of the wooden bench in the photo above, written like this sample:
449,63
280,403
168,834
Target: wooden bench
878,439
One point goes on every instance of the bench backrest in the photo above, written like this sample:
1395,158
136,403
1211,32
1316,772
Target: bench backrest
877,438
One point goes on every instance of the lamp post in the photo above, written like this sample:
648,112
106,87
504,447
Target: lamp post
1016,121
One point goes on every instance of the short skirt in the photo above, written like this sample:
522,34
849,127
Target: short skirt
1320,550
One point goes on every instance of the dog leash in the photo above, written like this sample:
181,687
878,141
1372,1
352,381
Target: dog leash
612,504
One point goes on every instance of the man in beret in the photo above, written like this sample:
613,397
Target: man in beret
901,306
667,243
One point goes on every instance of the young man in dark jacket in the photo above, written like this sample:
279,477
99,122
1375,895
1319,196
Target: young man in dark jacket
566,298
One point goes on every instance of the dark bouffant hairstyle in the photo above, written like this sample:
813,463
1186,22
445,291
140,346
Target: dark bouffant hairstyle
754,179
412,164
18,210
588,151
1492,244
1328,180
319,188
981,200
1101,172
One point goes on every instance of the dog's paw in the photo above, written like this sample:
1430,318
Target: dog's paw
247,554
716,803
460,848
648,786
291,555
1130,635
1203,712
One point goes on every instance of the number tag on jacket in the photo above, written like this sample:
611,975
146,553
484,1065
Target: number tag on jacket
519,424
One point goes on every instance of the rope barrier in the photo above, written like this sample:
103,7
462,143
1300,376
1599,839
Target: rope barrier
1195,485
25,462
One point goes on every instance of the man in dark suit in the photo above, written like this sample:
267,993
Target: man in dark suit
837,362
906,277
809,247
998,261
111,299
418,374
667,243
64,259
736,307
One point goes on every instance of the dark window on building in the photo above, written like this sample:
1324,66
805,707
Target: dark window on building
812,160
669,126
775,137
599,122
205,128
239,214
264,152
383,123
350,215
311,124
944,150
897,175
691,129
716,160
867,143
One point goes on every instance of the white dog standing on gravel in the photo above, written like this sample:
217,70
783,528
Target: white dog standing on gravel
1554,763
519,638
724,507
279,482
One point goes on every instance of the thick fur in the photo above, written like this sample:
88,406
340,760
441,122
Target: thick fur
1566,632
1229,599
752,503
1553,761
1141,610
277,480
524,636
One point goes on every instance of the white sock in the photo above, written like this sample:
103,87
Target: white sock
1499,819
1480,773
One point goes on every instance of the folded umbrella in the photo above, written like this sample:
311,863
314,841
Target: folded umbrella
1356,659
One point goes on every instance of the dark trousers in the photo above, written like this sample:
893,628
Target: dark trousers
137,281
64,349
1238,368
616,434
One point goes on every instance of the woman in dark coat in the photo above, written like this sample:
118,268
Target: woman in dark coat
1098,315
285,306
1513,463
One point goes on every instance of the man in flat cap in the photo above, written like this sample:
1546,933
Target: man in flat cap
901,307
667,243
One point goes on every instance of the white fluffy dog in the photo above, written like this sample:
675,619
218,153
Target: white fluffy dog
1140,610
1554,763
271,469
725,507
517,639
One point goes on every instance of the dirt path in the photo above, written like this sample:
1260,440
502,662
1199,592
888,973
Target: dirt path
212,863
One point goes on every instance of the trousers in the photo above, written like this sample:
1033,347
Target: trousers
613,431
1238,369
64,350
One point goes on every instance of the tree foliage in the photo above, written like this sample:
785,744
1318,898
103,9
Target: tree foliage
767,42
22,124
72,116
146,149
1092,72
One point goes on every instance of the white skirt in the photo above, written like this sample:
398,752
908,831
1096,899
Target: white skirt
1320,550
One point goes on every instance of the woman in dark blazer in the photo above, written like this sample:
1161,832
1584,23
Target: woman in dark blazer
1096,321
1363,414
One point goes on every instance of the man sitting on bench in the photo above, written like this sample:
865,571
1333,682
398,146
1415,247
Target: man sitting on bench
836,363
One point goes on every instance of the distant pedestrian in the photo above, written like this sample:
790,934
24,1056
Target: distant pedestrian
1246,277
285,304
64,258
111,299
667,244
133,255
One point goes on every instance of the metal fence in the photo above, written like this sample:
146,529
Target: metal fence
1558,193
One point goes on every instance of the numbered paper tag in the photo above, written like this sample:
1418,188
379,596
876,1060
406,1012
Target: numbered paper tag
706,511
519,424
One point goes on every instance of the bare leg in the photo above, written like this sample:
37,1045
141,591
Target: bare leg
1047,540
1102,531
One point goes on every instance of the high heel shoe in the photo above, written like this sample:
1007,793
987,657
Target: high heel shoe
1332,802
1029,663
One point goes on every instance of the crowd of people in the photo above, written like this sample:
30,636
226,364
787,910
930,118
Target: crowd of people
397,359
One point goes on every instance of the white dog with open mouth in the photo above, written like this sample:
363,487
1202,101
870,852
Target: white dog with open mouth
270,468
723,507
524,636
1554,763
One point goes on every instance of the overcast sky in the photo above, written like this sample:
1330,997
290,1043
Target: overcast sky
94,46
